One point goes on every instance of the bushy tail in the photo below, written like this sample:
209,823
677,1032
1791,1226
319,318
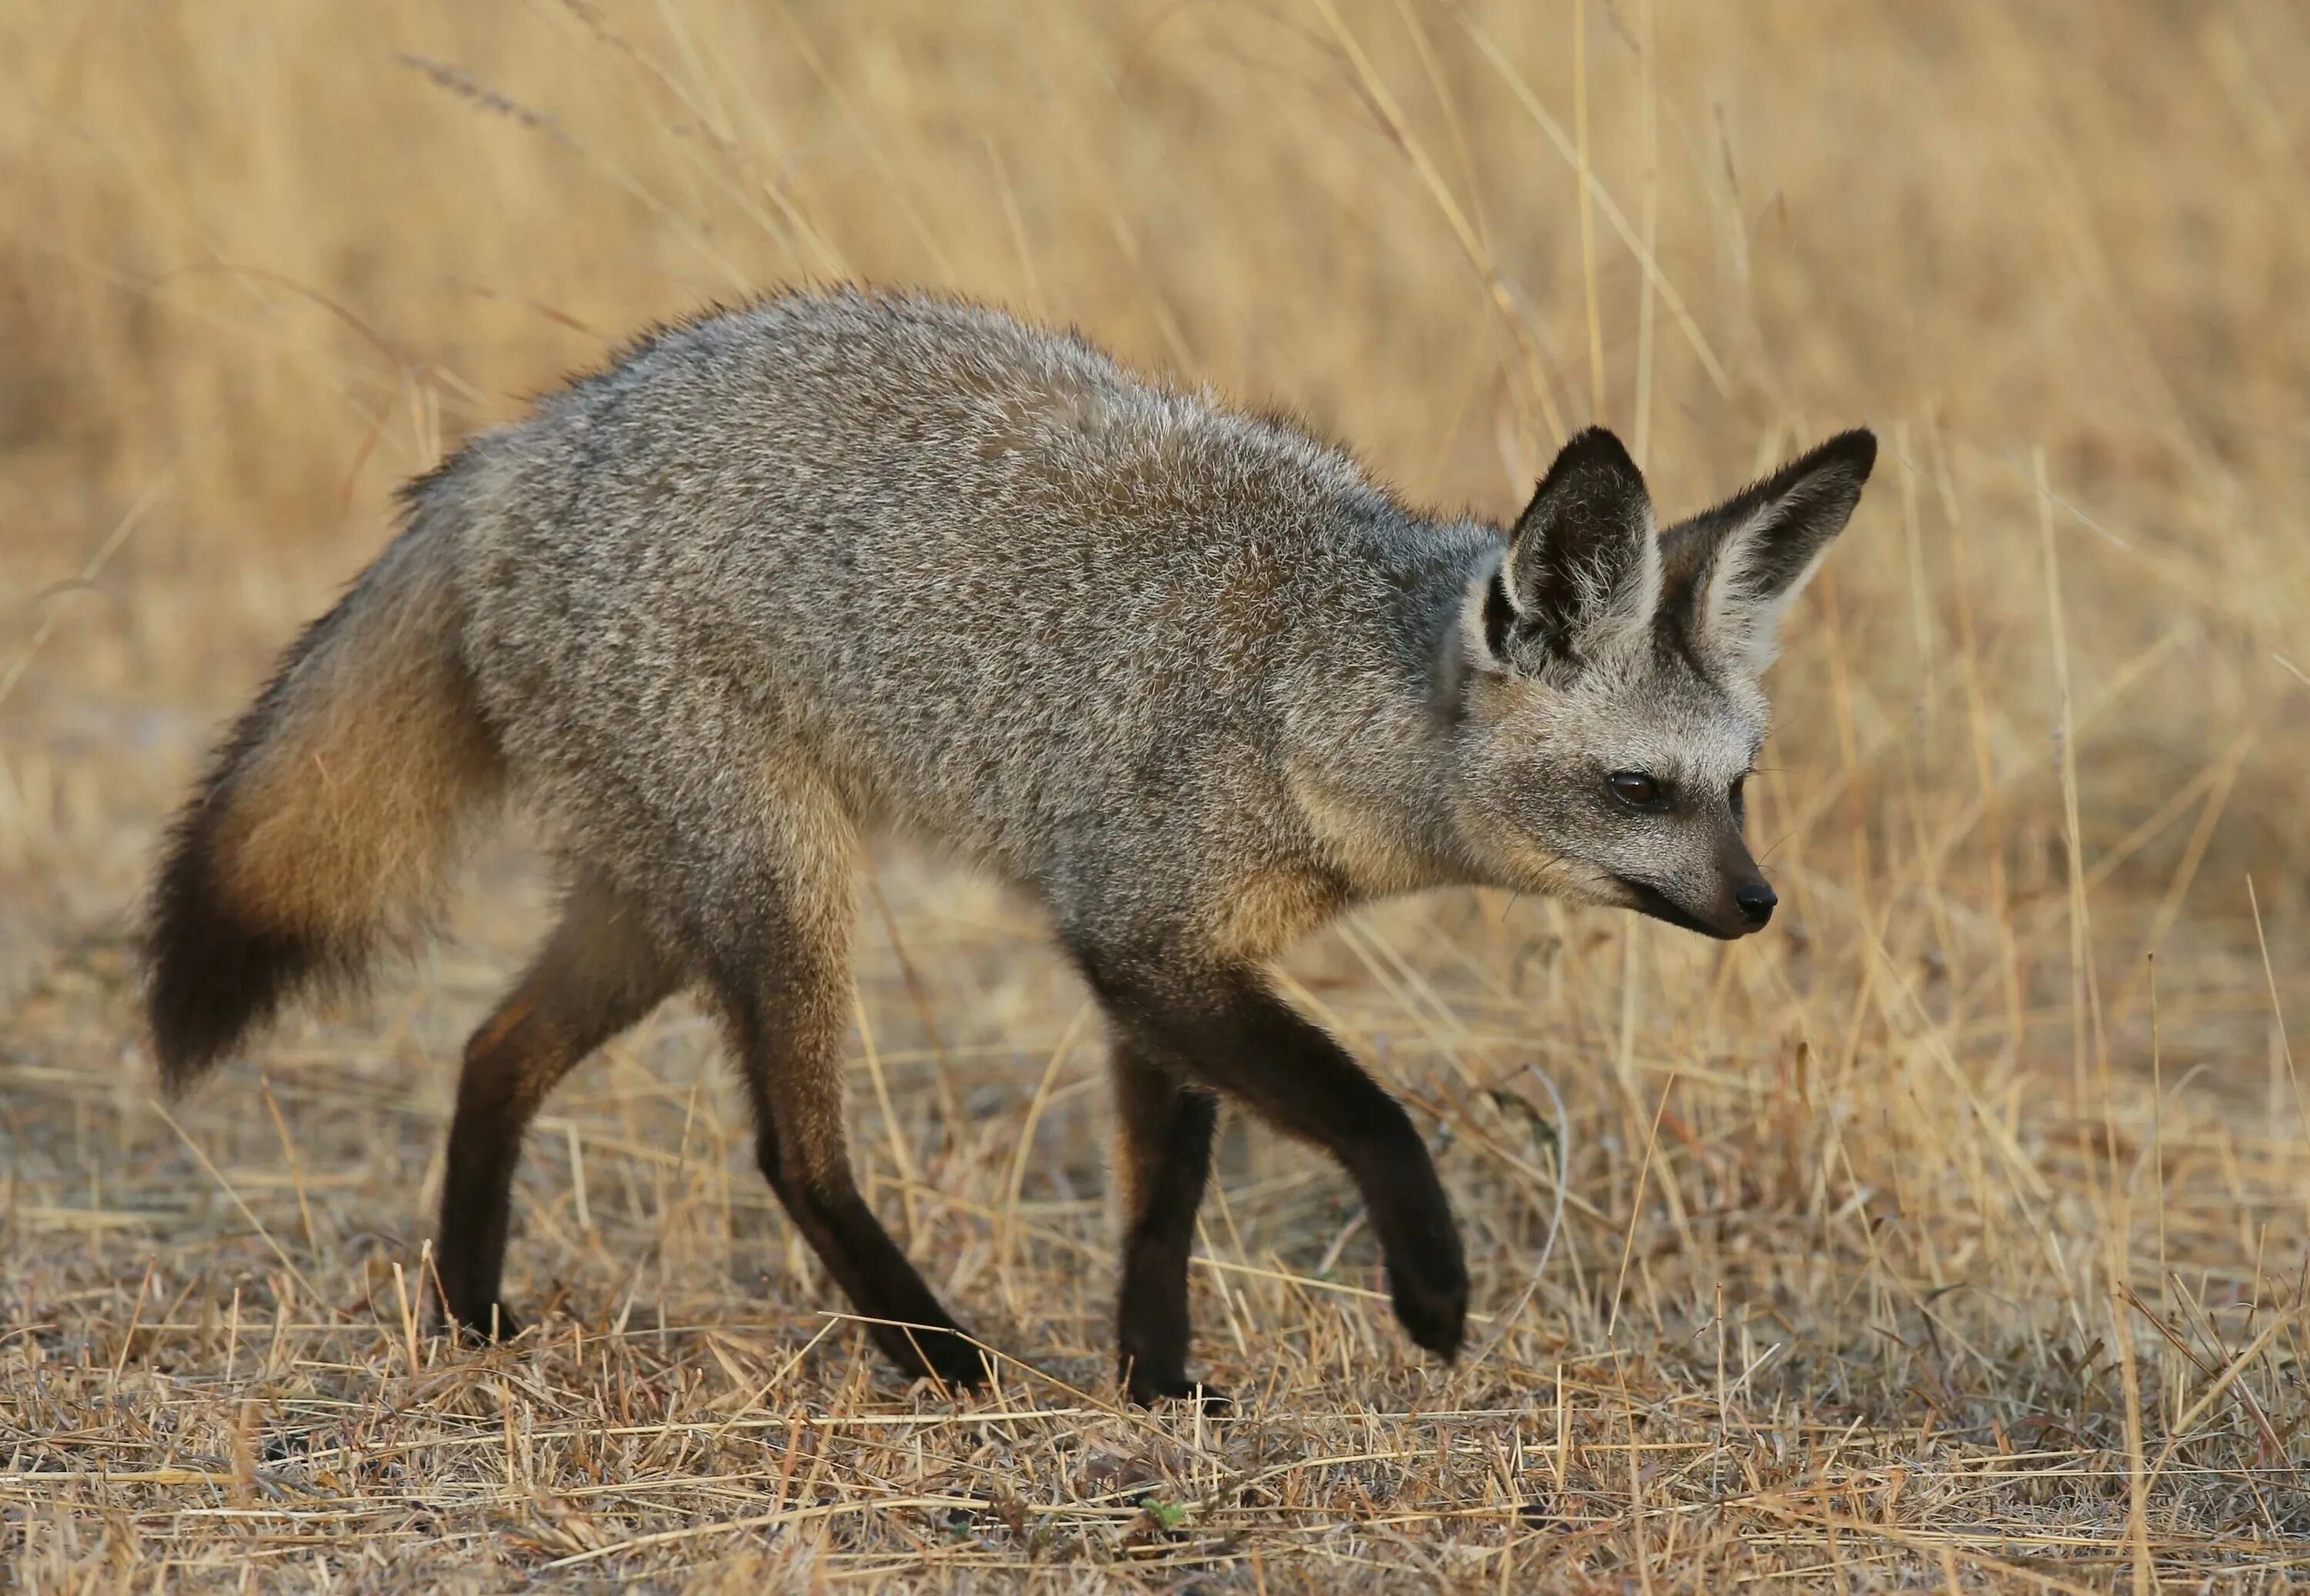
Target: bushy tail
328,820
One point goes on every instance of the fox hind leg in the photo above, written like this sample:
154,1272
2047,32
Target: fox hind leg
599,973
783,983
1165,1130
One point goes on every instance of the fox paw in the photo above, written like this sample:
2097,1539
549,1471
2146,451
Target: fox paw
948,1357
1433,1304
1215,1403
492,1323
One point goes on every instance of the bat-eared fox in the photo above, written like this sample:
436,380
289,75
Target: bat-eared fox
846,563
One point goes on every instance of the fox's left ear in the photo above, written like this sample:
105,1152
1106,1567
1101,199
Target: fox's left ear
1582,570
1729,573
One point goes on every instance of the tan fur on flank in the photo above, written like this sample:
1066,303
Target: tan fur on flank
1265,911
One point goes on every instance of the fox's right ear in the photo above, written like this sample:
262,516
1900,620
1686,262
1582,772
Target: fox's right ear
1582,565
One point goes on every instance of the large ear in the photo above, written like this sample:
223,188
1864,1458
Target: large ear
1583,568
1730,572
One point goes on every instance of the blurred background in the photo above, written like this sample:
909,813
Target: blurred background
2041,718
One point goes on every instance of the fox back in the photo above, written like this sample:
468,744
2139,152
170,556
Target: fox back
980,582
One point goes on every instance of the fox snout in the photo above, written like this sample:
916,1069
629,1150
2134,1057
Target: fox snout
1728,916
1735,901
1743,901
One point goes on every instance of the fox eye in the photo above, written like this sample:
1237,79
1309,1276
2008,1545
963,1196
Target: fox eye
1738,783
1635,789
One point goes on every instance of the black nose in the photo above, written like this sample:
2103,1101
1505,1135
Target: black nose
1755,903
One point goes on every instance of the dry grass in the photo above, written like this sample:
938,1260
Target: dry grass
1923,1244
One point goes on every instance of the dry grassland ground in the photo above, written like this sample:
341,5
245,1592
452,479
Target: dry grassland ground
1942,1238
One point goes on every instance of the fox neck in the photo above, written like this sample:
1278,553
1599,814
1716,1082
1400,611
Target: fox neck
1371,841
1372,772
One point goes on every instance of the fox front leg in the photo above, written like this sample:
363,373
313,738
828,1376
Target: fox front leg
1163,1158
1221,1028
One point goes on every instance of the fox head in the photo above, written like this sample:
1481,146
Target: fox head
1603,684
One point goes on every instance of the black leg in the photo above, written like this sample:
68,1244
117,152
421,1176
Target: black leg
1223,1029
598,974
1164,1158
787,999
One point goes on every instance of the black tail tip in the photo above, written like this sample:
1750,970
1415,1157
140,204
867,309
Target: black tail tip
210,973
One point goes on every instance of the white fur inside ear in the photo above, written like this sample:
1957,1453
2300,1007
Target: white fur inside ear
1742,616
1616,605
1469,647
1622,610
